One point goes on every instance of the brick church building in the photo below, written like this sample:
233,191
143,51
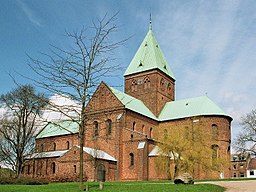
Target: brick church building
120,139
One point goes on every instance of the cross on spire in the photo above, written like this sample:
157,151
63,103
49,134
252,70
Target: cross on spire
150,23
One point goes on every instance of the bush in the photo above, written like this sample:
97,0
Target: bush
23,181
6,180
31,181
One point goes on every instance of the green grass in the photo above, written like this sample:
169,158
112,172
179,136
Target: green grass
114,187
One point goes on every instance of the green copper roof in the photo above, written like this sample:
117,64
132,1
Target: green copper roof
149,56
133,104
64,127
189,108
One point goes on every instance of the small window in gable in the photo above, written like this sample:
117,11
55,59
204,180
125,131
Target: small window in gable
109,127
96,129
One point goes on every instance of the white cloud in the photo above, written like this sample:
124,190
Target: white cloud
30,14
211,45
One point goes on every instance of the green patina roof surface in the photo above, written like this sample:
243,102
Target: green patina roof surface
149,56
190,107
133,104
64,127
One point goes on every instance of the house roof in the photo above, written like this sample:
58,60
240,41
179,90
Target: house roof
149,56
252,164
99,154
156,151
132,103
47,154
64,127
190,107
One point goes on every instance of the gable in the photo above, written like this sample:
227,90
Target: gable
133,104
64,127
103,99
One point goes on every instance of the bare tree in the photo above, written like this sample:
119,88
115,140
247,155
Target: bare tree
75,72
17,126
246,140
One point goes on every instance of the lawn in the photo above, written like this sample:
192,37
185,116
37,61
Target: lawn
114,187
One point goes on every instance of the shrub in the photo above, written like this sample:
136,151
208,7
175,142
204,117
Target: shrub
31,181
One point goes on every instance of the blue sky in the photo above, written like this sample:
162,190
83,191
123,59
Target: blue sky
210,45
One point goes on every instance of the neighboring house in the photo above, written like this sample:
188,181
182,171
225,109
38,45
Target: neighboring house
120,138
239,164
251,169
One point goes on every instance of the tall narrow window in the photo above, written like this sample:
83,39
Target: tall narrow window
42,147
53,168
215,149
54,146
133,125
151,132
146,83
134,85
143,129
165,133
96,129
215,131
74,168
131,159
67,145
109,127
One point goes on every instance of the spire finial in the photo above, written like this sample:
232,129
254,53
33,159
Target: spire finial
150,23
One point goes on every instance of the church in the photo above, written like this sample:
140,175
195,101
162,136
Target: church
121,133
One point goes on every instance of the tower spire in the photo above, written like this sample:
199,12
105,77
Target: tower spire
150,23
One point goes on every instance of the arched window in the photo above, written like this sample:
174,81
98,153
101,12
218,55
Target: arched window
53,168
165,133
131,159
146,83
215,151
143,129
151,132
134,85
101,173
162,83
215,131
54,146
133,125
74,168
131,136
169,87
67,145
109,127
96,129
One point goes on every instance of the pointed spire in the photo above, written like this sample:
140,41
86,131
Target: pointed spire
150,23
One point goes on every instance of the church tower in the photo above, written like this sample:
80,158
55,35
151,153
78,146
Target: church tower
149,77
